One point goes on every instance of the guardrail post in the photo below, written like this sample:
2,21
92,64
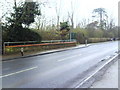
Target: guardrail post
4,48
86,42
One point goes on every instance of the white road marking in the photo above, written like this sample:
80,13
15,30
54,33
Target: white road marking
9,61
69,57
85,80
18,72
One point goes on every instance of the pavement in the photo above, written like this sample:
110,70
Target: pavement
55,70
109,79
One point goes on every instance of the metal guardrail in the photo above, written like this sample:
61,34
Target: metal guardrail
8,43
42,44
33,42
36,42
52,41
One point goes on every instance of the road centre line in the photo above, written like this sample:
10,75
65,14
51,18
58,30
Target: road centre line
18,72
69,57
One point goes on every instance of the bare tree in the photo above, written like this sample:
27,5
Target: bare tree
83,23
111,24
40,22
57,8
71,15
6,8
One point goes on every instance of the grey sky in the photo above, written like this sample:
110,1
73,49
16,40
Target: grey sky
82,8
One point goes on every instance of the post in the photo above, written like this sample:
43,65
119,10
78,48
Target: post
70,35
4,48
85,42
22,51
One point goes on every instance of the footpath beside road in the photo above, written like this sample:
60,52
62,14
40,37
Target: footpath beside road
109,79
30,54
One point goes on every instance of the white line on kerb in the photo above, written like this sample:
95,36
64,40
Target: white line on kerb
69,57
18,72
95,72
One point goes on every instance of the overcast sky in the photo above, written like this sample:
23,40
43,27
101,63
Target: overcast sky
82,8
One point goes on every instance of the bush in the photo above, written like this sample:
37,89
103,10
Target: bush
80,38
15,34
96,40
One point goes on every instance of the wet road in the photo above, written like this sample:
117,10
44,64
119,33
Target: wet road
53,70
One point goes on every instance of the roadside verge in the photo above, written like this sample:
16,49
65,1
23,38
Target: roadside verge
47,52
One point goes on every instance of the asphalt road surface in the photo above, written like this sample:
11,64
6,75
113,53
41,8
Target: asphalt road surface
53,70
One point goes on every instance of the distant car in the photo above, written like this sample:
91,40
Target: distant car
113,39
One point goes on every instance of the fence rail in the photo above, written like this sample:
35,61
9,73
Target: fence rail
11,47
40,44
36,42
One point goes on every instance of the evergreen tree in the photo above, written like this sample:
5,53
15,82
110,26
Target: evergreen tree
23,14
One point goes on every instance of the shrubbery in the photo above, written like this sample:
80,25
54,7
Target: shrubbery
81,34
20,34
96,40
